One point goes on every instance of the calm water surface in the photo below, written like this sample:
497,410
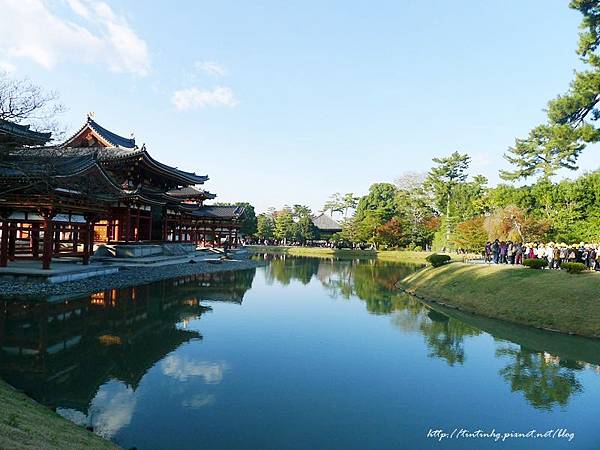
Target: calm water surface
299,354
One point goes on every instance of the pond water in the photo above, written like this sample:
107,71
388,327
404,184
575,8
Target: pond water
299,354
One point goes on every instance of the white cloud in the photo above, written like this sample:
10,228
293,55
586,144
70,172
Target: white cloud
110,410
181,369
194,98
30,29
7,67
199,401
211,68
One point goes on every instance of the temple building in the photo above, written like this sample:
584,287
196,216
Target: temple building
98,188
326,226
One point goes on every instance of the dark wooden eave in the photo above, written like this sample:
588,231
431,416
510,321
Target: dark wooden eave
12,134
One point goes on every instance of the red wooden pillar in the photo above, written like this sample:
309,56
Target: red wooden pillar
75,236
57,229
127,225
48,239
4,244
12,240
35,240
86,242
136,236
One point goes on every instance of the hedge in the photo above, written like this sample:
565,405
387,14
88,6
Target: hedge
535,263
573,267
437,260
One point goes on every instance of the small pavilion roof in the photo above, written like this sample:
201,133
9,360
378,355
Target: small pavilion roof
219,212
191,192
325,223
21,134
104,136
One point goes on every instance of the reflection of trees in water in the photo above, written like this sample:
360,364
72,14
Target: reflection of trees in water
284,269
444,336
373,281
546,381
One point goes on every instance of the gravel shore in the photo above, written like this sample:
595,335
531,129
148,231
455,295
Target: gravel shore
128,276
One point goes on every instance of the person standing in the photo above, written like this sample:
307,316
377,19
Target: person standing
496,251
556,257
503,248
519,253
488,252
549,252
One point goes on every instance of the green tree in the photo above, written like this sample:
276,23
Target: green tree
414,210
442,180
334,204
304,229
284,226
349,201
546,149
381,200
367,229
559,142
265,227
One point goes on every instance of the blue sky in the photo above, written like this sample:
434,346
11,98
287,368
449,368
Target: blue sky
288,102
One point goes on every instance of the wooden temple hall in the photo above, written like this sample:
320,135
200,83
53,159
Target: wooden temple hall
98,188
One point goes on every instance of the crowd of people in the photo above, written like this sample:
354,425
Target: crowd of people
501,252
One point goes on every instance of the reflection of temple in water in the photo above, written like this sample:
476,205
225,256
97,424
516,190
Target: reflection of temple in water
60,353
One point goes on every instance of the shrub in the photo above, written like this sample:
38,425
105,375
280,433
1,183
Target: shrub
437,260
535,263
573,267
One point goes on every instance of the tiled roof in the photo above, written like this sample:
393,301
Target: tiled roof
325,223
110,154
191,192
110,138
113,138
219,212
22,133
17,167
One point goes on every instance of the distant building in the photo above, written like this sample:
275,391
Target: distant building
326,226
98,187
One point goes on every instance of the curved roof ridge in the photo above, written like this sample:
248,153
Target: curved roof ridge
109,136
110,139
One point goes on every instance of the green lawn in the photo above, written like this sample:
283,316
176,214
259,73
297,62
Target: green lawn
318,252
548,299
25,424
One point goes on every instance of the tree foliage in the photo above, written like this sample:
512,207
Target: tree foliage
571,116
471,235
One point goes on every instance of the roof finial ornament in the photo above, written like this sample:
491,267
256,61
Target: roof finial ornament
144,146
91,115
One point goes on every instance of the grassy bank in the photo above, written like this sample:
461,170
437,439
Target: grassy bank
25,424
546,299
318,252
